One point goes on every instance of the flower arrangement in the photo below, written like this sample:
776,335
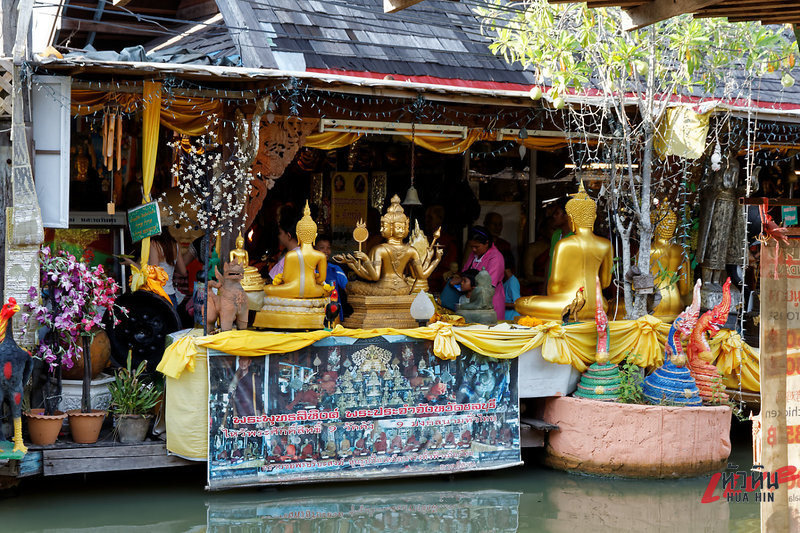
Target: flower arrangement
73,300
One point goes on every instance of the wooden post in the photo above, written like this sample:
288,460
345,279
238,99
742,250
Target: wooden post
86,393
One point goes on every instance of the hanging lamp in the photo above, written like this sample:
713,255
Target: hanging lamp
412,197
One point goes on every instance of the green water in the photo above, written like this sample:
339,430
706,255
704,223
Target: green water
524,499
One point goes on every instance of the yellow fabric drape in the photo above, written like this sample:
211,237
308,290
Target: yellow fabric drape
182,114
189,116
574,344
726,349
330,140
150,121
682,132
447,145
547,144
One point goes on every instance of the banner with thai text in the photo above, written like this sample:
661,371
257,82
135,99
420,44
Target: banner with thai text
780,384
353,409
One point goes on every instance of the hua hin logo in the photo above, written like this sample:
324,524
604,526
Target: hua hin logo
753,486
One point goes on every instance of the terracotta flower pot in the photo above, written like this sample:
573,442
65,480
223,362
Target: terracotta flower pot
85,427
44,429
132,428
100,350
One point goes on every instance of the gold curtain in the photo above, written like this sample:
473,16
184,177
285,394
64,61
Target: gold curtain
330,140
447,145
189,116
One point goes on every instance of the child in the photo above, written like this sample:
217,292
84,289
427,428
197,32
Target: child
335,273
467,284
511,286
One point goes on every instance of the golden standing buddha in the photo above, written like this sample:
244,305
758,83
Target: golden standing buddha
577,261
386,267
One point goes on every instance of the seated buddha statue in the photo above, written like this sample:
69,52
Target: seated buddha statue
297,297
304,268
577,261
670,268
392,267
252,280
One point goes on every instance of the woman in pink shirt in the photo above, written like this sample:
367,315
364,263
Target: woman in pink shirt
485,255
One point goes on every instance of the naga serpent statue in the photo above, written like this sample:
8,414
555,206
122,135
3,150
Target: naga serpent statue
601,381
672,381
704,372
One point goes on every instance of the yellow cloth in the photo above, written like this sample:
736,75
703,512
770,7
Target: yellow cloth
727,347
574,344
682,132
330,140
149,278
185,115
186,414
447,145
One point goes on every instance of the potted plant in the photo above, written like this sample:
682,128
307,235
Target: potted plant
133,396
68,312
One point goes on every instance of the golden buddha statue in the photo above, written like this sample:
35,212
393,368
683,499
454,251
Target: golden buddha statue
298,296
239,254
82,163
304,268
577,260
386,267
252,282
670,268
394,269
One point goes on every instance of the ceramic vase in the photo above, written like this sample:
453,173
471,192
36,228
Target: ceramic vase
85,427
44,429
132,428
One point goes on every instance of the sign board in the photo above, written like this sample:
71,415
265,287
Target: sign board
780,383
144,221
96,218
789,215
348,203
356,409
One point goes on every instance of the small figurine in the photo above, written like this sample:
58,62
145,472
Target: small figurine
332,310
230,302
569,315
17,367
239,254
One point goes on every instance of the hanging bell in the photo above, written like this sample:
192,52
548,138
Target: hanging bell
412,198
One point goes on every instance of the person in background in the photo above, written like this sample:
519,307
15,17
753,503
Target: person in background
286,238
494,223
485,255
164,253
467,284
335,273
510,286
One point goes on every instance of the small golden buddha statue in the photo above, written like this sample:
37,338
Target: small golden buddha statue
82,163
252,280
385,269
667,262
304,268
239,254
577,260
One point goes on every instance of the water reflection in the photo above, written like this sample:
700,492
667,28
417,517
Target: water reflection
525,499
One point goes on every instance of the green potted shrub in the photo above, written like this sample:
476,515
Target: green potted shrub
133,396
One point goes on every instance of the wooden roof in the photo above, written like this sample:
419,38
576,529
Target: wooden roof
640,14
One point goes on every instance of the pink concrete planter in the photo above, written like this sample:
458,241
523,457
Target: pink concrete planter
643,441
